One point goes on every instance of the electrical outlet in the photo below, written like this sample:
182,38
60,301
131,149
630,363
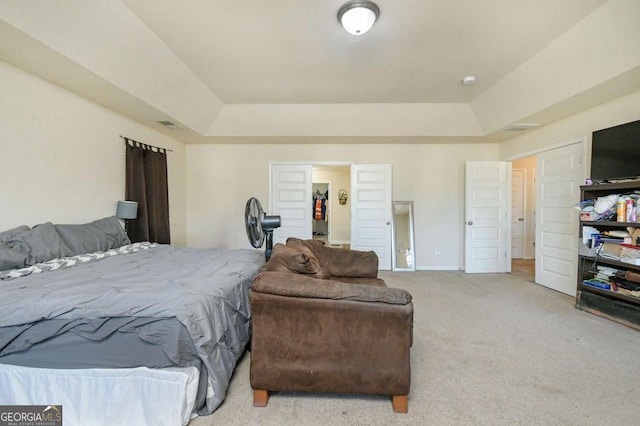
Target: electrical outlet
437,251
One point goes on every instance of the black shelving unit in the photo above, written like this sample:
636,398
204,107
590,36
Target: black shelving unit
615,305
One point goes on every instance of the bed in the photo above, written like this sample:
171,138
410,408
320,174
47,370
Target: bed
142,333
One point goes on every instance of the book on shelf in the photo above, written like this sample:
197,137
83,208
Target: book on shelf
626,284
618,233
597,284
610,250
607,270
630,254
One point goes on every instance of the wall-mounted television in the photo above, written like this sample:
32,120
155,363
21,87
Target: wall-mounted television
615,152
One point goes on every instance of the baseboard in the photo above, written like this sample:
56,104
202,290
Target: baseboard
439,268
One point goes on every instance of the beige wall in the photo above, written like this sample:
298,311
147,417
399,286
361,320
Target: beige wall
613,113
597,51
220,179
63,159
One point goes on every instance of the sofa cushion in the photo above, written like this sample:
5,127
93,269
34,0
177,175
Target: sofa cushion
375,282
298,285
337,262
288,259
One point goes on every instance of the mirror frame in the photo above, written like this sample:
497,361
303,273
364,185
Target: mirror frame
394,266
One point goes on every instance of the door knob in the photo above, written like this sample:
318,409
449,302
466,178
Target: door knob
470,222
520,219
388,223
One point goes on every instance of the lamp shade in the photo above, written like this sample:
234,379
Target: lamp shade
127,209
357,17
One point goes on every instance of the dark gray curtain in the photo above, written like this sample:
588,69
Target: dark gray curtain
146,183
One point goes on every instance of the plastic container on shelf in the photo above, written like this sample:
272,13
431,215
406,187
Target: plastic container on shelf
622,210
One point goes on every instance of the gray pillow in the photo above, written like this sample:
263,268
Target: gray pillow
11,259
99,235
40,244
12,233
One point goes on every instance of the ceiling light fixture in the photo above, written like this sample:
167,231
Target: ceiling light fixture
357,17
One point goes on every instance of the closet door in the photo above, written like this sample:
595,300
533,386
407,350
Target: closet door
291,199
371,208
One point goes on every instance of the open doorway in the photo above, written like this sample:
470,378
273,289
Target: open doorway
360,204
523,219
551,228
331,221
321,210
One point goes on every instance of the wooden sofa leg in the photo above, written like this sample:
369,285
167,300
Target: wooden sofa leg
400,403
260,397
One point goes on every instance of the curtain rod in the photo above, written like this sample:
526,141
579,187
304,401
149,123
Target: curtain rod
145,144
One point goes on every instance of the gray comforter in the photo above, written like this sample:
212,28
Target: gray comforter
206,290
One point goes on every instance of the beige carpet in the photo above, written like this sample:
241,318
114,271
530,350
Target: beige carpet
490,349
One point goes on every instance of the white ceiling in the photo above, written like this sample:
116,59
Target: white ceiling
295,52
252,71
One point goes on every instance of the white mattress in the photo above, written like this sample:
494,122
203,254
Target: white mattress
126,396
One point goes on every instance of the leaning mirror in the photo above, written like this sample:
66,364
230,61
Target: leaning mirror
403,244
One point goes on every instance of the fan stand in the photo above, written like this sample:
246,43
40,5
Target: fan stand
269,223
269,246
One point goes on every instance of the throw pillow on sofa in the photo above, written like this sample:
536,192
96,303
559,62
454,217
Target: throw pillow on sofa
289,259
337,262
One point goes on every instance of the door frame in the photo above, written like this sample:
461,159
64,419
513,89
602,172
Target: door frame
298,163
307,207
365,229
524,210
505,229
534,152
302,163
328,210
322,163
586,147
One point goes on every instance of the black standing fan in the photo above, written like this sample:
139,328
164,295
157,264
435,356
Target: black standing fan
259,225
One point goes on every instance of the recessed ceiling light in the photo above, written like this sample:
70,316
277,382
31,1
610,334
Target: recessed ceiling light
468,80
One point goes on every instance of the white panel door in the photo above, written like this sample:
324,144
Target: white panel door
517,213
560,172
487,216
371,210
291,199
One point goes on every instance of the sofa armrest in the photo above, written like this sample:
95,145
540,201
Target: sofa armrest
297,285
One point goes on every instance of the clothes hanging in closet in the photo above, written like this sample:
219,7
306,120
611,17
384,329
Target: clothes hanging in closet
320,205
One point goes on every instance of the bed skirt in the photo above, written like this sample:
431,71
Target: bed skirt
122,396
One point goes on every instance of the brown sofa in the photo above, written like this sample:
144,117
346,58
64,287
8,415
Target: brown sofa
323,322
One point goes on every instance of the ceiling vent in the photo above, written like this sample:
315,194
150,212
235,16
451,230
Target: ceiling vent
520,127
168,124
